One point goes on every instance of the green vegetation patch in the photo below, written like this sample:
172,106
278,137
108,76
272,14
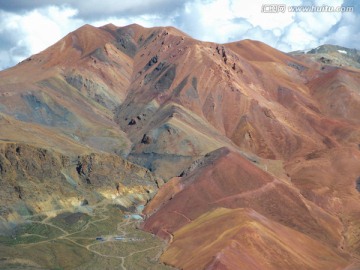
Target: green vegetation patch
71,222
41,245
30,233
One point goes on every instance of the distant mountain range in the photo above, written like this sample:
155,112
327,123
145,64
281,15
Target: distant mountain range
333,55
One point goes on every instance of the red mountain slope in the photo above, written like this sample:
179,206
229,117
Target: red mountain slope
259,149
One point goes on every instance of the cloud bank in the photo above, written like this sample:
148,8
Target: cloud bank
27,27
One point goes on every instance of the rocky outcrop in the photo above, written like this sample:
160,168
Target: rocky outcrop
38,179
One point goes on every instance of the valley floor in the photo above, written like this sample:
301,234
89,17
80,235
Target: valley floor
102,239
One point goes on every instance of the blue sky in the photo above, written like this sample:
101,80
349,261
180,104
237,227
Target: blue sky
29,26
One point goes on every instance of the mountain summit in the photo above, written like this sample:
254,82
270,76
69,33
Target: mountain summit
246,157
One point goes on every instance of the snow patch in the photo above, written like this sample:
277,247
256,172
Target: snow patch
341,51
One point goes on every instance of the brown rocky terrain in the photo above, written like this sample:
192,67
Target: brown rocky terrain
259,150
36,180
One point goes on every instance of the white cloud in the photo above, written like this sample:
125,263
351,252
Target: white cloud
23,33
42,27
297,38
143,20
347,32
252,13
214,20
95,9
34,31
230,20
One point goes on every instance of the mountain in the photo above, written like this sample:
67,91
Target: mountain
245,156
333,55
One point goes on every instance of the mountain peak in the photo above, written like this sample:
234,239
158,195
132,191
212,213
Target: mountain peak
333,55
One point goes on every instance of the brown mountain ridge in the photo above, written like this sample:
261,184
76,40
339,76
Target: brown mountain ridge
253,154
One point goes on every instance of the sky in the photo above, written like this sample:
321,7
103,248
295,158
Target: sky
30,26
